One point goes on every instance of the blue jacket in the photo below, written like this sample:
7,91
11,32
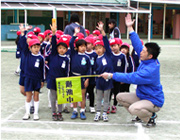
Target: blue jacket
147,76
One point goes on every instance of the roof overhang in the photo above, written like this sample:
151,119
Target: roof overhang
160,1
71,7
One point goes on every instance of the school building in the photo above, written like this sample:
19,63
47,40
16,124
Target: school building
154,19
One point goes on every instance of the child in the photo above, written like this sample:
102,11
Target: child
80,65
22,61
34,73
36,30
58,67
136,58
130,65
103,64
119,65
18,51
90,89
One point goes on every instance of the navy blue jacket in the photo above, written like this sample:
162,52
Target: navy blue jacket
104,64
80,63
119,62
58,65
92,55
135,60
34,64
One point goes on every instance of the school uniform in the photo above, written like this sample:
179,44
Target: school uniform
90,89
119,65
18,49
68,53
135,60
130,68
115,33
104,64
80,63
33,68
22,46
58,65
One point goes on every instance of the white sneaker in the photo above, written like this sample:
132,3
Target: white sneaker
97,117
92,109
36,117
26,117
105,117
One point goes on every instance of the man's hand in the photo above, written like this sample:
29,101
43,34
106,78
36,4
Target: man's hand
106,75
129,22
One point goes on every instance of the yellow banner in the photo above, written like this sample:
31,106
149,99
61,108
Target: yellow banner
69,89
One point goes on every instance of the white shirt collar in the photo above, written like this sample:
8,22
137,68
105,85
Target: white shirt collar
81,53
100,56
62,55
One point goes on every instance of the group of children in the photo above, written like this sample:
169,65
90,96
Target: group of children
52,54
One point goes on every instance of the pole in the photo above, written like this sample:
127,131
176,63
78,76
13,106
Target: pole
25,17
136,25
84,19
149,23
164,21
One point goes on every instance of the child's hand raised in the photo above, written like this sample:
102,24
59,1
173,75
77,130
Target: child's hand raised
76,30
53,28
100,26
22,29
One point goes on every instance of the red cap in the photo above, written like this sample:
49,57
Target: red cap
100,37
96,32
87,31
63,40
41,35
34,37
89,40
50,35
67,36
79,36
18,33
91,35
29,34
115,41
99,42
59,32
126,44
34,42
58,36
47,32
37,30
